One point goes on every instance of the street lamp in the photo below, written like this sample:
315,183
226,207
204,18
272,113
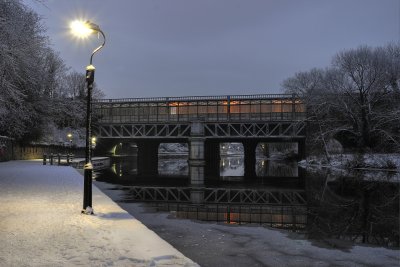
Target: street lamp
69,136
94,140
83,29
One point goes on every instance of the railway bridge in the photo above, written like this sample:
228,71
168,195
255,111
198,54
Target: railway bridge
203,122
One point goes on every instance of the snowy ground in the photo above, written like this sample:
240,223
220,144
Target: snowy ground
41,224
214,245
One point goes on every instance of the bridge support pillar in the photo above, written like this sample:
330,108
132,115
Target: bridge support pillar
213,158
196,154
250,158
147,157
197,196
266,149
301,149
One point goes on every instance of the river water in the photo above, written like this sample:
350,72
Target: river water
321,204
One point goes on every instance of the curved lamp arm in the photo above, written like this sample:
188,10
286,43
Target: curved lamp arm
97,29
98,48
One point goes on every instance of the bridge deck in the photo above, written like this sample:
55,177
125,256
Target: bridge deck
235,108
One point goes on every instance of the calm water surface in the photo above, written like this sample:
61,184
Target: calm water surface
320,204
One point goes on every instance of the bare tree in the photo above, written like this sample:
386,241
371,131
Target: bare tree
72,111
355,99
362,87
310,86
392,62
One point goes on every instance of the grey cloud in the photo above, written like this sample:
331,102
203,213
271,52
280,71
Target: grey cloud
191,47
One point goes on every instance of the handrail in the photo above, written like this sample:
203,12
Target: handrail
198,98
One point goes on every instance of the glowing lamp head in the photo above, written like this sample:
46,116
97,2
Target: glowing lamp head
83,29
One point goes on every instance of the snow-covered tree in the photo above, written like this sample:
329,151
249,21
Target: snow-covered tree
21,42
36,88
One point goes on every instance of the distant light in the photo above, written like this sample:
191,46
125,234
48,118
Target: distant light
81,29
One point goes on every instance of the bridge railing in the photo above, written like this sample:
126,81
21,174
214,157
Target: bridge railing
206,108
195,98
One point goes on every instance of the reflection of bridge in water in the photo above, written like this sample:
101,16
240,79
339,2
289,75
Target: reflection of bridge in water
217,195
203,123
231,168
283,208
368,209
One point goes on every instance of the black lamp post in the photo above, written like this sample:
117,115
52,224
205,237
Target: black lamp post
84,29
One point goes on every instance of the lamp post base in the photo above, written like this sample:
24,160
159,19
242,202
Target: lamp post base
87,190
87,211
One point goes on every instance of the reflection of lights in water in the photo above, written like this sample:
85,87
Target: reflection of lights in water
244,215
117,169
232,218
232,167
114,168
120,169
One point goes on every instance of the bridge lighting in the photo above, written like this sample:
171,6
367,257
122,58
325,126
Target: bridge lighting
83,29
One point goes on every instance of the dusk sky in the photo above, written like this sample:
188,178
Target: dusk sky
213,47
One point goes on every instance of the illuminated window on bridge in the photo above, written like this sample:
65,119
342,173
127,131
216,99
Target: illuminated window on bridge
207,109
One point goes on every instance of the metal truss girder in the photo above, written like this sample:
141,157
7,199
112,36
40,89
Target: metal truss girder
214,129
155,194
142,130
261,129
262,197
300,128
255,129
219,195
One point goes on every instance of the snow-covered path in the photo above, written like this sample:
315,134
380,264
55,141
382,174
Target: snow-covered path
41,224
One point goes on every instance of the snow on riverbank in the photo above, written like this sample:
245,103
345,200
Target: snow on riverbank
41,224
370,166
373,161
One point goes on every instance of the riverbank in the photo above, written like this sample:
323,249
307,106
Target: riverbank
213,244
390,162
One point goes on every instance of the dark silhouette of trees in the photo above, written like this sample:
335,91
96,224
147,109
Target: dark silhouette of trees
356,100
